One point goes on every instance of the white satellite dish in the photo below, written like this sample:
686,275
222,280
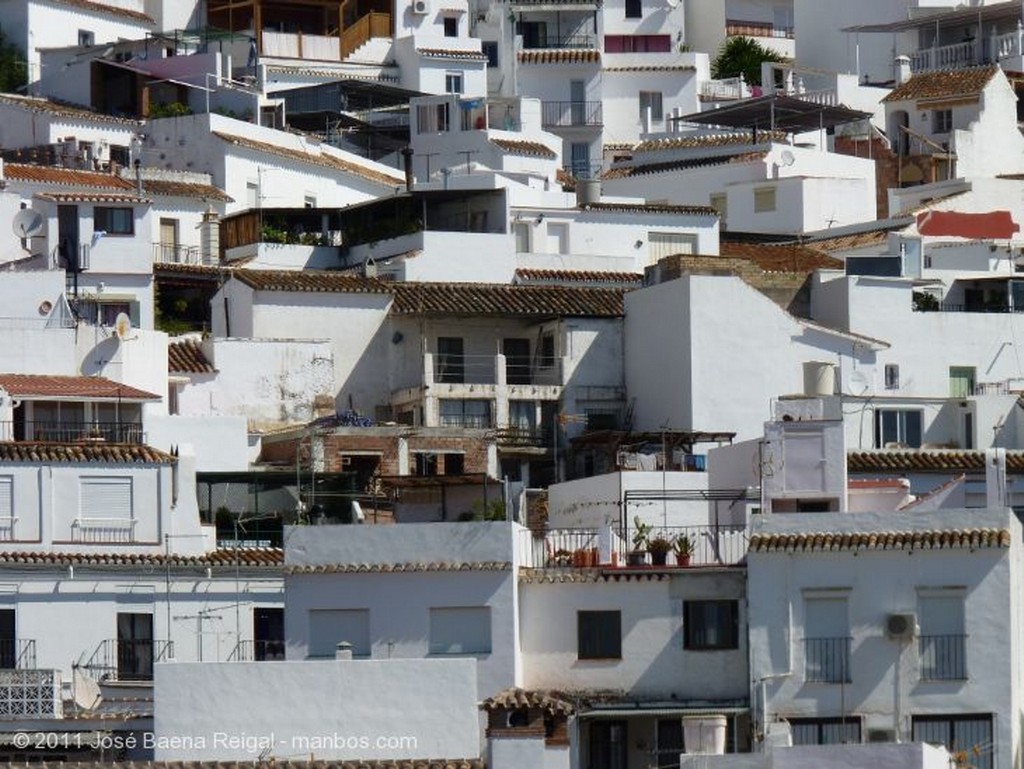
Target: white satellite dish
122,326
28,223
786,158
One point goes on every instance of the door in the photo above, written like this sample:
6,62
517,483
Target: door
67,236
451,363
267,633
534,34
607,745
578,102
580,153
8,643
134,647
517,360
169,240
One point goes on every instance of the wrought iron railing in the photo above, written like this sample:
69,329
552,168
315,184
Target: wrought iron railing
827,660
943,657
17,653
567,41
571,113
73,432
251,650
128,659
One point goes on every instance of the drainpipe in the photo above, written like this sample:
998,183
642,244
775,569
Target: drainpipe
407,153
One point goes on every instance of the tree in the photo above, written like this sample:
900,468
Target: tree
13,66
742,56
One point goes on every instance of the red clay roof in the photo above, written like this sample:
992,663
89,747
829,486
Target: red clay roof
998,225
451,53
926,460
709,140
944,84
23,172
187,357
309,280
818,542
58,109
47,386
398,568
665,166
105,453
563,56
323,159
92,197
109,10
169,188
650,208
245,556
527,275
533,149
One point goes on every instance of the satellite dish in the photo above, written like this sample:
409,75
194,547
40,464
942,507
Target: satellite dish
28,223
673,3
122,326
786,158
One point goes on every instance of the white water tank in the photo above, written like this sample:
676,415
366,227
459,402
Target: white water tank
705,734
587,191
819,378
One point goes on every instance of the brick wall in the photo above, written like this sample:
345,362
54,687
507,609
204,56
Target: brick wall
889,170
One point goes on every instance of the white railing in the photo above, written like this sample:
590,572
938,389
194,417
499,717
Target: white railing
1008,44
7,527
955,56
104,530
729,88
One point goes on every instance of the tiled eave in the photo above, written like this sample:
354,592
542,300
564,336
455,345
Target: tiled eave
823,542
399,568
245,557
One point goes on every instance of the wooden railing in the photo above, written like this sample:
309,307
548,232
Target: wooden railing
371,25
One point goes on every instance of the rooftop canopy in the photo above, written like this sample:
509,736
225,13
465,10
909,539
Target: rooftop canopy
984,14
776,111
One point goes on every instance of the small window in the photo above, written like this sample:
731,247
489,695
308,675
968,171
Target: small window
252,194
961,381
599,635
86,38
329,627
942,121
651,99
451,27
490,50
633,9
522,232
426,464
898,427
114,221
764,200
825,731
892,376
711,625
309,201
453,82
460,630
720,202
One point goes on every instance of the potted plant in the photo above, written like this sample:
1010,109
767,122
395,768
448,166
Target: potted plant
683,546
641,531
659,548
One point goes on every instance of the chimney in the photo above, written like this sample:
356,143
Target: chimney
343,651
902,69
407,153
138,177
209,237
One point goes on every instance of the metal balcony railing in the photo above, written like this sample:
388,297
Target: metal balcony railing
583,169
17,654
257,651
73,432
128,659
173,253
827,660
566,114
943,657
567,41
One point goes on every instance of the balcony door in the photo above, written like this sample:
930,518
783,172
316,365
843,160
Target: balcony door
451,362
8,643
134,647
169,240
268,633
578,100
608,747
517,360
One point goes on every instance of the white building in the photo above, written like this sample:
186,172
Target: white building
710,25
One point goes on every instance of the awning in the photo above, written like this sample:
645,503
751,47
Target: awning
777,112
661,712
983,13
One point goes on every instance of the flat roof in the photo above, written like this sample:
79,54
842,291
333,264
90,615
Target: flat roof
777,111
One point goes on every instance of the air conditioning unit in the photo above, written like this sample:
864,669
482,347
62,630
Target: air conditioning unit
882,735
900,626
420,7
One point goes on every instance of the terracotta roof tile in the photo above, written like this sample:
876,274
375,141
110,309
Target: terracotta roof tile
561,56
211,272
92,197
106,453
169,188
654,68
581,576
109,10
70,177
818,542
400,568
516,698
506,300
309,280
926,460
322,159
782,257
59,109
709,140
187,357
531,276
533,149
448,53
651,208
246,557
54,386
642,169
944,84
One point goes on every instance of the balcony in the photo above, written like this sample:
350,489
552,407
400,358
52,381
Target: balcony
827,660
571,114
969,53
257,651
371,25
28,694
103,531
610,549
128,659
740,28
173,253
943,657
17,654
583,169
585,42
73,432
443,368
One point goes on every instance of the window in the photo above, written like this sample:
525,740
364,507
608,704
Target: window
425,463
720,202
825,731
465,413
892,376
826,640
309,201
8,640
6,500
252,194
961,381
637,43
105,497
454,463
522,415
898,427
669,742
942,121
970,733
633,9
517,360
662,244
453,82
711,625
490,50
433,118
460,630
451,26
134,647
547,351
451,363
522,233
86,38
579,153
942,643
764,200
113,221
599,635
651,100
329,627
